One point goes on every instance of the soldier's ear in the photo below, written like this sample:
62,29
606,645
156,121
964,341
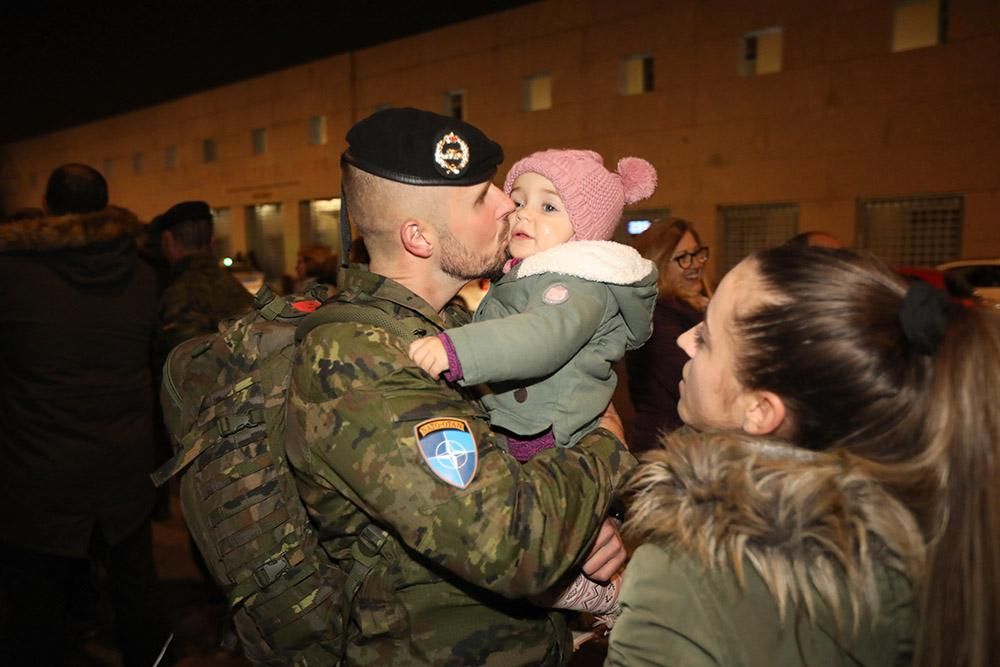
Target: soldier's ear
418,237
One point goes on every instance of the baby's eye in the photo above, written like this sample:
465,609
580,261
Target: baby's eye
549,208
518,204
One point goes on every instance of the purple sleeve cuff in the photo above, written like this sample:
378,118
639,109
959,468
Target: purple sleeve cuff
522,450
454,372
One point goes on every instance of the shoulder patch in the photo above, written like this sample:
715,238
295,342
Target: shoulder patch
555,294
449,449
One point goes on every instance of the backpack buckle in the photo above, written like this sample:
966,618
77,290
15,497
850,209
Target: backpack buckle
266,574
232,423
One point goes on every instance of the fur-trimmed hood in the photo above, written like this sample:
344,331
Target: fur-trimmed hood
809,523
87,248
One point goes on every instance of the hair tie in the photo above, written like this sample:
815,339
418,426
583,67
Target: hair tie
924,316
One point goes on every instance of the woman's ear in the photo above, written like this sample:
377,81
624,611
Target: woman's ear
418,237
764,413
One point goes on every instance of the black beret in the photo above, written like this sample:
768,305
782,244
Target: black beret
178,213
422,148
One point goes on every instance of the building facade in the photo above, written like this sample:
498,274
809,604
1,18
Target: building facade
875,120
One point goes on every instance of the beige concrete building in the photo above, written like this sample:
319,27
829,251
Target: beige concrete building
876,120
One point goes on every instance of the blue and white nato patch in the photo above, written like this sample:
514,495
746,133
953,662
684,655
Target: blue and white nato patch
449,449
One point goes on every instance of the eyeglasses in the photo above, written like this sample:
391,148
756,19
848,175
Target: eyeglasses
685,259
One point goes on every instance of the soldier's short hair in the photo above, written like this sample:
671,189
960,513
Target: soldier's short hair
75,188
190,224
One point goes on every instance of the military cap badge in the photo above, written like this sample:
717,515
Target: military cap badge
449,449
451,154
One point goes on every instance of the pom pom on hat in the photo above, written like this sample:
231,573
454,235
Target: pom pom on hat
638,178
594,197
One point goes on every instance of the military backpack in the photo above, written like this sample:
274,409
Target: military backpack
223,400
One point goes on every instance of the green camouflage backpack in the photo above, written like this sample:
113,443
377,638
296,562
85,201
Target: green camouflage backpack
223,401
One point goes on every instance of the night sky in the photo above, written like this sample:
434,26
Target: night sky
62,64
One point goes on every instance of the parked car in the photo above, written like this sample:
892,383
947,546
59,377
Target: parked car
981,276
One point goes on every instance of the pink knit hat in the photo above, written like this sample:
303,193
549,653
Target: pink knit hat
594,197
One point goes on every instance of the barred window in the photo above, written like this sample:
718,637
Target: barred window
747,229
912,231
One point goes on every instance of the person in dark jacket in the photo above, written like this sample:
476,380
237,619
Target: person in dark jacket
201,293
655,369
76,416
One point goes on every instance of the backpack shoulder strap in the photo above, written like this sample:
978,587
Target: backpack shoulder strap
407,328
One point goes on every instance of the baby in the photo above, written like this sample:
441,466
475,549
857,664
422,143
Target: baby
570,304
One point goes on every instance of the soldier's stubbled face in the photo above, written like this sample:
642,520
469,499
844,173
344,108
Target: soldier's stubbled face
475,237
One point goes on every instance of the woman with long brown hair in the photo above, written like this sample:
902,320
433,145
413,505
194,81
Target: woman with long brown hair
837,500
655,369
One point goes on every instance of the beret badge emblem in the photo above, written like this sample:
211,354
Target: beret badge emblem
451,155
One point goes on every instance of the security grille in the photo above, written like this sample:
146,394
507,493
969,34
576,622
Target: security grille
913,231
747,229
222,232
319,223
266,238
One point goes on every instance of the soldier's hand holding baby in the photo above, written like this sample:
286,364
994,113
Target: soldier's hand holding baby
430,355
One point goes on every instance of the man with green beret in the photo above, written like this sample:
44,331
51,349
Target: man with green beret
462,531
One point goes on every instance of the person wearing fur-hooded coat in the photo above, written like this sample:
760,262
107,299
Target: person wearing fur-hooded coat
76,415
759,553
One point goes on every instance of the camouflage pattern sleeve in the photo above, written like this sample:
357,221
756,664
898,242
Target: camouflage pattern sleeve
194,304
363,412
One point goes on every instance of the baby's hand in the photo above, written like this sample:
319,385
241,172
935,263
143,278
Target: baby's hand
430,355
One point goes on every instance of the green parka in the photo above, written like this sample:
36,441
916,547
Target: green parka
546,336
759,555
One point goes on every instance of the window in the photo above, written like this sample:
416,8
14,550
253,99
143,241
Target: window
266,238
746,229
317,130
638,222
208,150
636,76
919,23
913,231
454,104
137,163
761,52
170,157
258,141
222,232
108,167
319,222
538,92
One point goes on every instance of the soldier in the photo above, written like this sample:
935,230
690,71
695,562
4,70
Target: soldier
201,293
374,440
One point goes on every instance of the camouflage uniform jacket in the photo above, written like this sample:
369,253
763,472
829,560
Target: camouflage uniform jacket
200,295
446,587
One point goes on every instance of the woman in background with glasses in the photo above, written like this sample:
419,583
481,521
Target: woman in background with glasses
654,370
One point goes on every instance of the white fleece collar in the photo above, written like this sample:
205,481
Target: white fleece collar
600,261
